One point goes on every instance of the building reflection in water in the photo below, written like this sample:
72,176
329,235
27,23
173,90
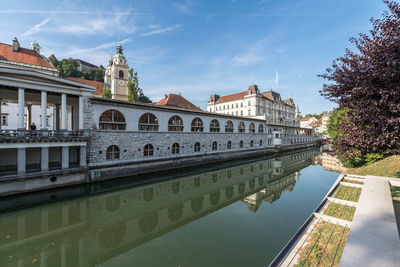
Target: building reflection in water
330,162
87,231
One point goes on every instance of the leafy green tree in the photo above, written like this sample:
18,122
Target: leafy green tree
106,92
336,120
133,86
144,99
69,68
94,74
54,61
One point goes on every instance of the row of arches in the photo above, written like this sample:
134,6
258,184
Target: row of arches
114,120
113,151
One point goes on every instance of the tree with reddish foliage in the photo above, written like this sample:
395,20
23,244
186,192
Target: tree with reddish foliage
366,84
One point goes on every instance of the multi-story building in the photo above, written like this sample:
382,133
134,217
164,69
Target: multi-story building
254,104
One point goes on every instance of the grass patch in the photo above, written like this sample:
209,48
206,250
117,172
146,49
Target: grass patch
388,167
340,211
348,193
352,181
395,190
324,246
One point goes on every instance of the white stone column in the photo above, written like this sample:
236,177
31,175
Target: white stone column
82,156
44,159
44,110
20,226
43,259
21,161
21,108
64,255
81,253
81,112
44,220
63,112
64,215
65,157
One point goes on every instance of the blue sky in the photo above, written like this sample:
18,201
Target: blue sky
198,48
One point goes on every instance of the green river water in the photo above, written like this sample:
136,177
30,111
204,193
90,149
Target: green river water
239,213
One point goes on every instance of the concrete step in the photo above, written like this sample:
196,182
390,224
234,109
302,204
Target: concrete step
333,220
352,185
342,202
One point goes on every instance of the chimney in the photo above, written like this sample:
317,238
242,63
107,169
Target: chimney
165,95
15,45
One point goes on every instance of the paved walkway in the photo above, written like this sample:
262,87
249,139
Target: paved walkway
373,239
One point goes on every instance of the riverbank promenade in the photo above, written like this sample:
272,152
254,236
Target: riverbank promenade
373,239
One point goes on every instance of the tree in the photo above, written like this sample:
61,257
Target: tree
54,61
133,86
106,92
367,84
144,99
69,68
336,119
94,74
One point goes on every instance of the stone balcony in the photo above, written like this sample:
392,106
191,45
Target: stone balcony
19,136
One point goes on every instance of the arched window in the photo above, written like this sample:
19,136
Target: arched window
214,126
241,127
261,142
251,143
148,150
175,148
121,74
252,128
148,122
241,144
112,152
197,125
175,124
241,188
112,120
229,145
197,147
175,212
148,222
197,204
229,192
260,128
214,197
229,127
214,146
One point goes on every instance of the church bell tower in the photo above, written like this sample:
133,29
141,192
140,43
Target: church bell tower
116,75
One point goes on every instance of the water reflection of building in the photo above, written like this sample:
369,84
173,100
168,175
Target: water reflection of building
331,163
91,230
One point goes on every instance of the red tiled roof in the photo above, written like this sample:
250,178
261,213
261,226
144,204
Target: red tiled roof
305,118
25,56
317,123
233,97
173,100
99,85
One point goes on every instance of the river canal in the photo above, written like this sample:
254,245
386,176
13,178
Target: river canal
233,214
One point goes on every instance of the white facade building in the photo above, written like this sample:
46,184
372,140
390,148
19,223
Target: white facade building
254,104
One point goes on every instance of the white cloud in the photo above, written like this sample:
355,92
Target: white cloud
36,28
180,7
276,79
162,30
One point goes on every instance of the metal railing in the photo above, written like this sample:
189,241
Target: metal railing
41,135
